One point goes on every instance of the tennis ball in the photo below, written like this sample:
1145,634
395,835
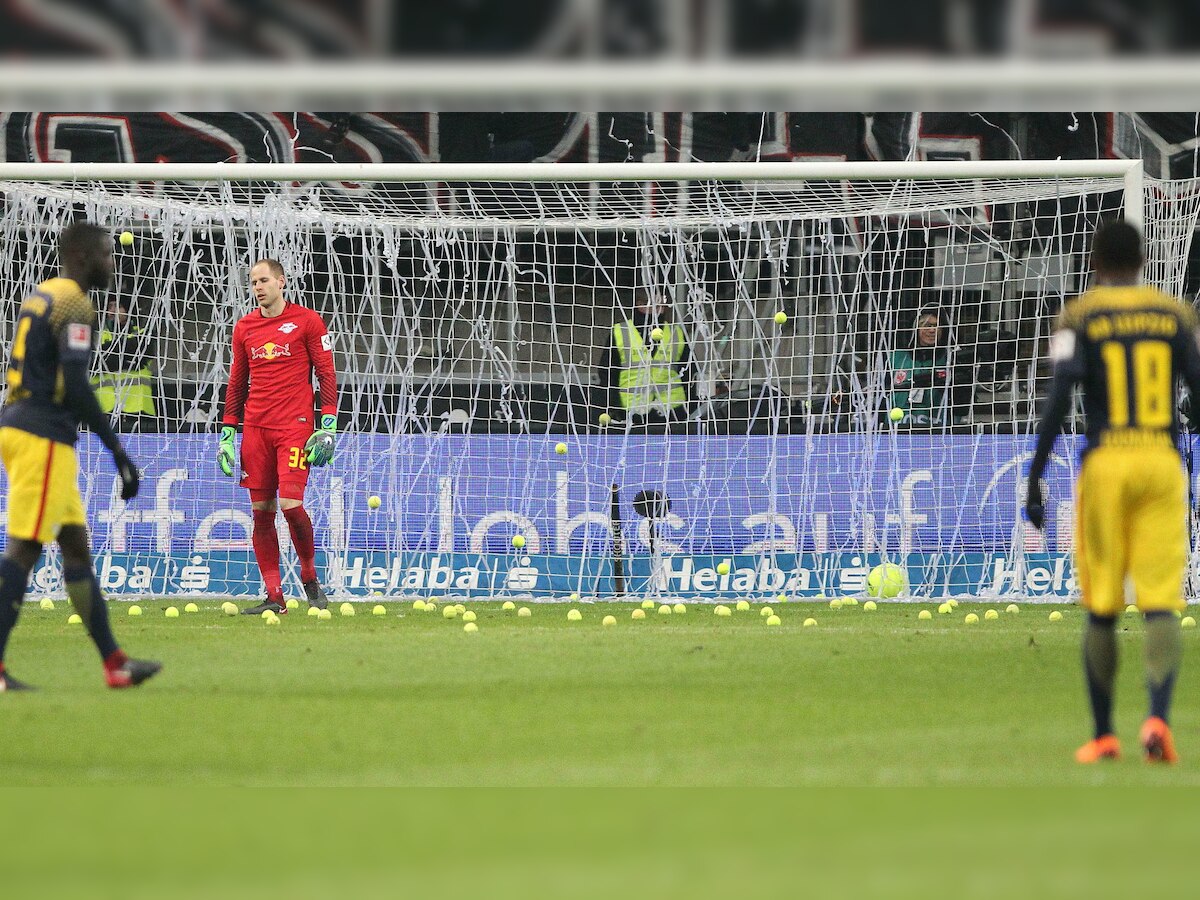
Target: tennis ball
524,612
574,615
886,581
379,610
560,448
230,609
574,598
945,608
469,616
870,606
191,608
73,619
656,334
292,603
849,601
638,614
781,598
608,620
809,623
135,610
953,604
766,611
924,614
508,606
896,414
470,628
518,541
373,502
1130,609
272,619
346,609
970,619
772,620
605,420
664,610
461,609
419,605
781,318
171,612
126,238
46,603
835,603
991,614
266,614
648,604
1056,616
722,568
679,609
1187,622
313,611
722,611
742,605
1012,608
449,612
323,614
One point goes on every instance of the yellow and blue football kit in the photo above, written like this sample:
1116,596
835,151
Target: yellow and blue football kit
1127,347
44,405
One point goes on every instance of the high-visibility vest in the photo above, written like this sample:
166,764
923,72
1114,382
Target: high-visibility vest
649,379
124,393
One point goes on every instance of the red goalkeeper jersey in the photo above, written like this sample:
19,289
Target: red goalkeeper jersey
270,380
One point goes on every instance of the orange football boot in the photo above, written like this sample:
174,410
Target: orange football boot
1157,741
1104,747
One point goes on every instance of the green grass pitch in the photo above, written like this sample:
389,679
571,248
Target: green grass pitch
862,698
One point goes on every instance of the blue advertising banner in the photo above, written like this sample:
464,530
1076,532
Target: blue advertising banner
802,515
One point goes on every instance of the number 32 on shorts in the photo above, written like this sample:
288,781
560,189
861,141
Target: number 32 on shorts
296,458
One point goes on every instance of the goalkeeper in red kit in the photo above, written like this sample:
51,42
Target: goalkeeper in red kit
276,349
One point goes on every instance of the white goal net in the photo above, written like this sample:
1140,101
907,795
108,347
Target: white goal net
784,375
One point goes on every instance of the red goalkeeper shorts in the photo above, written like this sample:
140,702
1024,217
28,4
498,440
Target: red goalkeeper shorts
274,461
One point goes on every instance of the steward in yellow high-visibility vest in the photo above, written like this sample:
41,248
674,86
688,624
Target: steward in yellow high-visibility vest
125,383
648,365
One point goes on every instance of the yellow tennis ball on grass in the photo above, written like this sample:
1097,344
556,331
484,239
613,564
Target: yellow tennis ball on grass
171,612
924,614
313,611
772,620
679,609
508,606
470,628
722,610
346,609
379,610
229,608
1055,616
608,620
886,581
46,603
135,610
524,612
742,605
638,614
323,615
191,608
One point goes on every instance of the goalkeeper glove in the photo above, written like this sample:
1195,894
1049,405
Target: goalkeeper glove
319,447
227,452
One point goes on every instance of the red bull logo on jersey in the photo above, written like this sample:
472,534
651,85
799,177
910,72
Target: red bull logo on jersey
271,350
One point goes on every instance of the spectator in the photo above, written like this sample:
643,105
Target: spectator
125,382
648,377
921,374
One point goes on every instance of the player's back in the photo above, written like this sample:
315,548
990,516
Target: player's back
57,317
1131,344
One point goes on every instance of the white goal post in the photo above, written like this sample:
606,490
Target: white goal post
717,345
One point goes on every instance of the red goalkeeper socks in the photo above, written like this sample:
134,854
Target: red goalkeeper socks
266,551
300,525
